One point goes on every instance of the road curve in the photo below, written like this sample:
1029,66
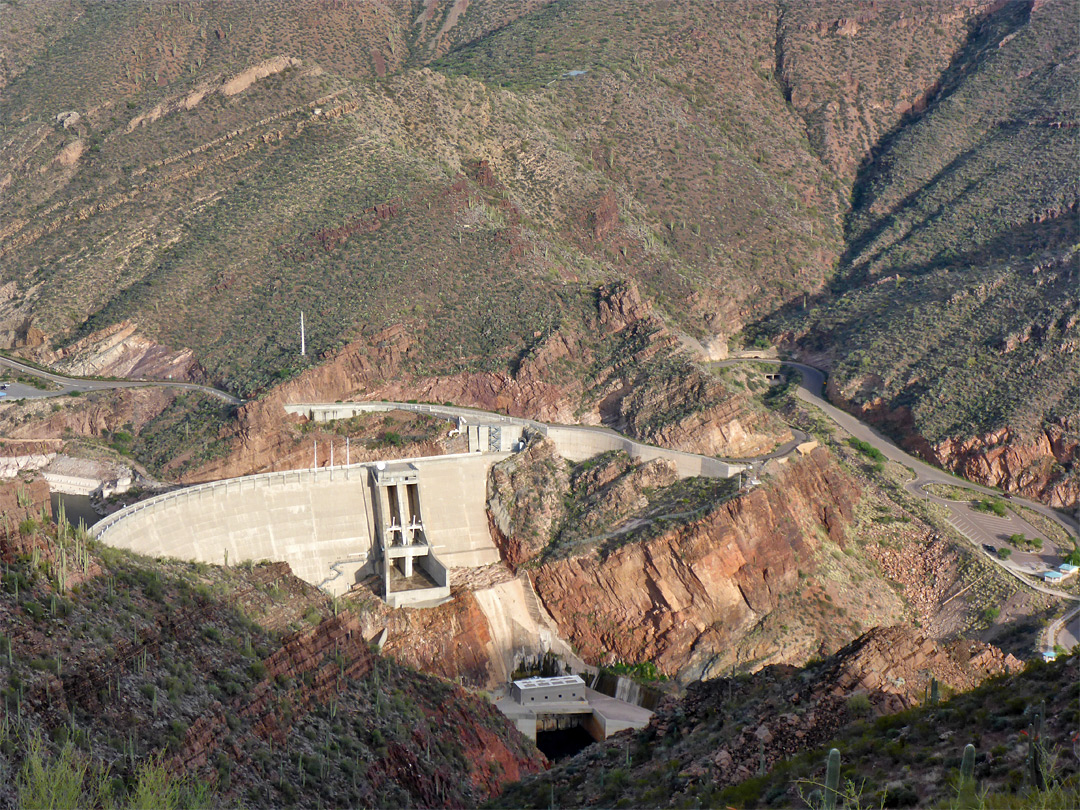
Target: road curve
811,390
69,385
960,516
1064,631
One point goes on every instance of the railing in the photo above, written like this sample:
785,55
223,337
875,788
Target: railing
709,466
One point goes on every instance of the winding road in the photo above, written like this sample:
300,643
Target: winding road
980,529
72,385
983,531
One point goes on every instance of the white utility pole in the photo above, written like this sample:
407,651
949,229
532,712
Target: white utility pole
346,451
303,340
315,456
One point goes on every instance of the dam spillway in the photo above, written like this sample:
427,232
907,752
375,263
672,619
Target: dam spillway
329,524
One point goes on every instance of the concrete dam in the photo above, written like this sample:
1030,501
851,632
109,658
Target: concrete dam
408,522
332,525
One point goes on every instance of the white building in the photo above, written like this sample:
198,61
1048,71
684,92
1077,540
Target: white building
532,691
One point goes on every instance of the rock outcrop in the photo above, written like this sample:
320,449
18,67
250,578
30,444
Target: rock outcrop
680,598
121,351
1042,467
526,500
670,402
896,664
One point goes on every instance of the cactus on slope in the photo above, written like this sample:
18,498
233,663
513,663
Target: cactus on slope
832,780
966,789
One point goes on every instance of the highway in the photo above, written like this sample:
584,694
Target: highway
69,385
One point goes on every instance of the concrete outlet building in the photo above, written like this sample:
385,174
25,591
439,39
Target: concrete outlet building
547,704
532,691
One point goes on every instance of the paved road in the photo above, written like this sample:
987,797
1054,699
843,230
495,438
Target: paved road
68,385
978,527
811,390
1064,631
1068,633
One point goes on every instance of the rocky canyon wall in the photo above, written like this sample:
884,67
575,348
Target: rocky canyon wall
681,597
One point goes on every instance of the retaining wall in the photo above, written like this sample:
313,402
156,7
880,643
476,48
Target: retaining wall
573,442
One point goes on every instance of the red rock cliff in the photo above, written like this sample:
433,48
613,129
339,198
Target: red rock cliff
679,598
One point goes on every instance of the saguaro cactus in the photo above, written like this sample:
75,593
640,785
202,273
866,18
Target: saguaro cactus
832,780
1036,770
966,788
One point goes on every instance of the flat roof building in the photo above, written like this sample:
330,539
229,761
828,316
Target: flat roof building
1052,576
531,691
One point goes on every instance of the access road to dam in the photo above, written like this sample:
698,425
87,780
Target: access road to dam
577,443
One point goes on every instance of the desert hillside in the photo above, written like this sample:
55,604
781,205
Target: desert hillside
884,189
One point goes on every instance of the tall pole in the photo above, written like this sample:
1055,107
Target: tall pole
346,451
303,339
315,456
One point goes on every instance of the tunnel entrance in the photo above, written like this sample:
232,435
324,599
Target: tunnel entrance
563,742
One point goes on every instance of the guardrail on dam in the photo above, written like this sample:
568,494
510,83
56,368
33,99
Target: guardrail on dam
492,431
323,522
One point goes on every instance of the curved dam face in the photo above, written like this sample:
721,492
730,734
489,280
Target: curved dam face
334,526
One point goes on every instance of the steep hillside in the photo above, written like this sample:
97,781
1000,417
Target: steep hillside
698,577
954,313
762,740
244,680
463,178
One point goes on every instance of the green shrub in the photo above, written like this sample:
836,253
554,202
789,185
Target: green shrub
868,450
55,784
859,704
993,507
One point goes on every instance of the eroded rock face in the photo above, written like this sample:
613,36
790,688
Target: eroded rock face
898,663
450,640
714,423
1042,467
679,598
891,666
316,664
121,351
682,408
526,500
